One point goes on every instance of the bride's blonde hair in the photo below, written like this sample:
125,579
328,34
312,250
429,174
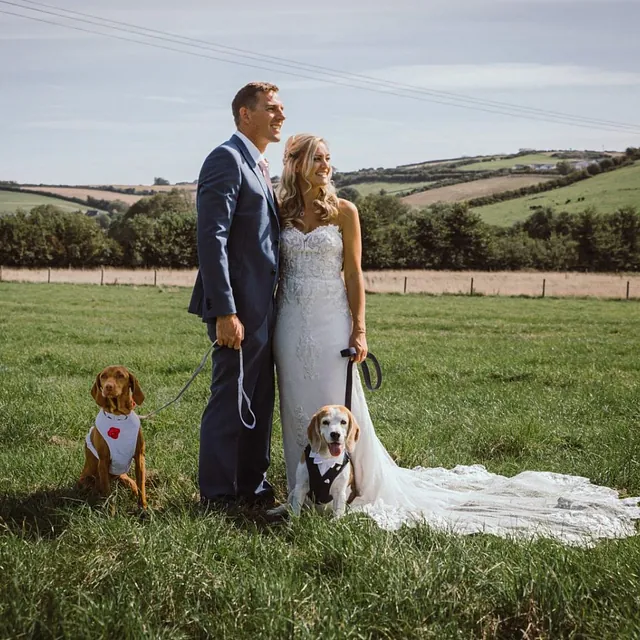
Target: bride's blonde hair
299,152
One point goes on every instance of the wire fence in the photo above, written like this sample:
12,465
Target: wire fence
491,283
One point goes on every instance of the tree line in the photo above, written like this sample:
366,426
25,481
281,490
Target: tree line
161,232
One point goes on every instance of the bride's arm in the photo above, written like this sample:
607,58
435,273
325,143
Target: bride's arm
353,279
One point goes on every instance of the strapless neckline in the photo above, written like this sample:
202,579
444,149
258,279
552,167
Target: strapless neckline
309,233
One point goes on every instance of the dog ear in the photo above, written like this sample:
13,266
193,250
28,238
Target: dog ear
136,391
353,432
96,392
313,432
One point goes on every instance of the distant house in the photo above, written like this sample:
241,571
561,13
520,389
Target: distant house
582,164
534,167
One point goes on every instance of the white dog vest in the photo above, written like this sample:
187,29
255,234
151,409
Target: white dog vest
121,435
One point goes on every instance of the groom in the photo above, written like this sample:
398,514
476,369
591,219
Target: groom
238,234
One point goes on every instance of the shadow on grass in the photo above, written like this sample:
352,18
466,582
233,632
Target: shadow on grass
45,513
48,513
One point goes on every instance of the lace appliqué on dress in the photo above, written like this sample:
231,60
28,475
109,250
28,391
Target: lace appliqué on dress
309,264
302,422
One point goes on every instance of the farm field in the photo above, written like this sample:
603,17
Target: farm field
473,189
510,383
490,283
83,192
12,200
605,192
505,163
365,188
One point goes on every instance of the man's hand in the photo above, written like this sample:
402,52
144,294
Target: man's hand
229,331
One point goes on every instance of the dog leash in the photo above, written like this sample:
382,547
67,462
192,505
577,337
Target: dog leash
242,394
349,353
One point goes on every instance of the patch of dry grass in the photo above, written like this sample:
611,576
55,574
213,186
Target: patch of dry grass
492,283
474,189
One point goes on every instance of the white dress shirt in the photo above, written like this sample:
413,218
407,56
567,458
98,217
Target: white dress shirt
256,155
253,150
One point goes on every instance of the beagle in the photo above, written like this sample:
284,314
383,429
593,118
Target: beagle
116,437
324,476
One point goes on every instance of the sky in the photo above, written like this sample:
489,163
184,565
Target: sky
80,108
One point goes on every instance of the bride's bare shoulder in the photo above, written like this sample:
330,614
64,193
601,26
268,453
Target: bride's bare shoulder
347,213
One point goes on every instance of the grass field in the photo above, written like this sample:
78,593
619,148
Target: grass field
365,188
606,192
511,383
10,201
504,163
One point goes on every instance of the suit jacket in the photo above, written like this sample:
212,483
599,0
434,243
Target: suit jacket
238,235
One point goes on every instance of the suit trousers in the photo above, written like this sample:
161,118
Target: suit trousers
233,459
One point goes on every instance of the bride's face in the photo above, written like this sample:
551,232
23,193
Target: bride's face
319,174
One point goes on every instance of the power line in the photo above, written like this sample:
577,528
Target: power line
383,87
326,70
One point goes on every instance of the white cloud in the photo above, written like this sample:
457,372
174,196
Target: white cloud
504,76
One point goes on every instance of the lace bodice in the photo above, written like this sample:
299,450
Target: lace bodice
313,255
310,270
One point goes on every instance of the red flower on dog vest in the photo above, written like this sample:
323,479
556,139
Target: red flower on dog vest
113,432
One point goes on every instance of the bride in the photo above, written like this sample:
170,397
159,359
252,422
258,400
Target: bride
319,313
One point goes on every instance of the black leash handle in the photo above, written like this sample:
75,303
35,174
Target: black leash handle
349,353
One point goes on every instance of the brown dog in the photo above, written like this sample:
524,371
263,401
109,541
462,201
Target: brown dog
116,437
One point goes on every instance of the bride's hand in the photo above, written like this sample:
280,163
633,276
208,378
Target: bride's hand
358,341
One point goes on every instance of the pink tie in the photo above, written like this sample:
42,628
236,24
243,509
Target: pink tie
264,167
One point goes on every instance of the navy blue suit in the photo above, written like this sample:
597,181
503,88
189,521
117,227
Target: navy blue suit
238,234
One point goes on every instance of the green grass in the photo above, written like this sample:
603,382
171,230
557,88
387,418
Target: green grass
504,163
607,192
10,201
512,383
366,188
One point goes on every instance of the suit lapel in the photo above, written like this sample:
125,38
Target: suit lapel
256,170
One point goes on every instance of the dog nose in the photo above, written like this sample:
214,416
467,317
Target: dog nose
335,435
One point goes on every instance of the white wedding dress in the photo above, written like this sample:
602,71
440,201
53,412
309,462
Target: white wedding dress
312,327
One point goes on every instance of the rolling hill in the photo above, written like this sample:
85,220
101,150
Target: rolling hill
12,200
605,192
422,184
473,189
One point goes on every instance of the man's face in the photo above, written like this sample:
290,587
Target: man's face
263,124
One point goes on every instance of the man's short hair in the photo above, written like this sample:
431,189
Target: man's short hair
248,97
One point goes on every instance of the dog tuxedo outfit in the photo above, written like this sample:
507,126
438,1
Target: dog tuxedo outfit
322,473
121,435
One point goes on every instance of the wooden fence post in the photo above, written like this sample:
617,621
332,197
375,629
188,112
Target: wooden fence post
101,276
405,284
471,290
544,286
155,277
0,273
627,289
49,275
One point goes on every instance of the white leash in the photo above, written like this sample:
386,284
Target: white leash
242,394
